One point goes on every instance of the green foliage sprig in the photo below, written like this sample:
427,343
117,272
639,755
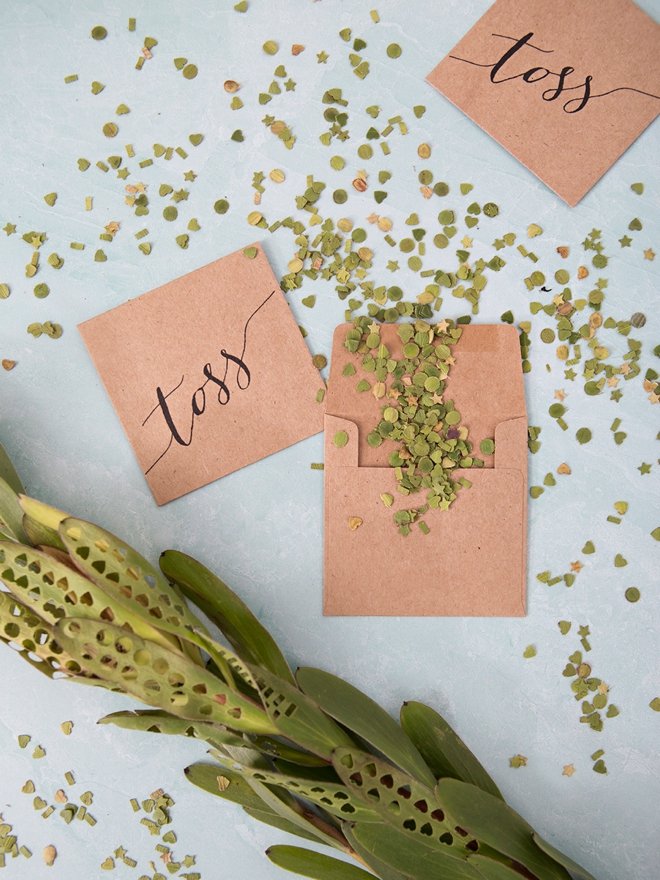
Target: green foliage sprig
308,754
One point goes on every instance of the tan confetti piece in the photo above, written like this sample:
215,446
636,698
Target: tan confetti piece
108,864
563,468
295,265
276,175
424,151
296,49
88,203
49,855
568,770
231,86
359,184
354,522
384,224
533,230
518,761
563,252
158,793
60,797
582,272
39,752
426,191
223,783
28,788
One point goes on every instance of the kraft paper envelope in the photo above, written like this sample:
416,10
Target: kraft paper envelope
208,373
473,561
564,86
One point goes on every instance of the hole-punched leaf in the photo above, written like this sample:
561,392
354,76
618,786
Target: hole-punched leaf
313,864
159,677
11,515
229,613
281,823
490,820
442,749
23,628
299,718
158,721
8,472
55,590
285,805
120,570
416,860
401,801
380,868
360,713
330,796
564,860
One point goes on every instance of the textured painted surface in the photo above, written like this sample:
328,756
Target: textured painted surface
261,528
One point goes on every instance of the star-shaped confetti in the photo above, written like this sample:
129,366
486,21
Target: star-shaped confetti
603,688
444,504
322,57
644,468
499,244
344,136
450,360
120,852
518,761
289,85
166,857
570,374
613,381
601,284
558,300
112,228
466,242
616,395
560,394
373,218
123,173
577,566
189,861
625,368
443,325
189,175
392,265
130,201
268,120
595,233
140,187
649,254
626,241
9,229
654,398
568,770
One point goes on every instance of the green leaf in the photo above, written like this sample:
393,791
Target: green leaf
490,820
402,802
558,856
54,590
442,749
156,675
38,533
11,515
281,823
308,863
411,857
299,718
360,713
380,868
8,472
229,613
238,791
491,870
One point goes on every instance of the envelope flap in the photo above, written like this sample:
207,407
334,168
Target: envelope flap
340,442
485,383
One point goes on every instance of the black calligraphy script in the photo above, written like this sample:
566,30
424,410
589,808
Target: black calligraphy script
198,400
559,79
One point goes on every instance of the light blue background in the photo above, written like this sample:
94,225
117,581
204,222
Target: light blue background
261,528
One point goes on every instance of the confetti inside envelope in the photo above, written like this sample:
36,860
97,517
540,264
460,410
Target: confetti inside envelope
564,86
207,374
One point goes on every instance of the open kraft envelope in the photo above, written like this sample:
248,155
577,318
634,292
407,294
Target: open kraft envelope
473,560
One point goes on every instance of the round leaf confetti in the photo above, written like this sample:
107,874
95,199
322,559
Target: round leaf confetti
270,47
41,291
583,436
221,206
190,71
110,129
99,32
633,594
340,438
394,50
170,213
